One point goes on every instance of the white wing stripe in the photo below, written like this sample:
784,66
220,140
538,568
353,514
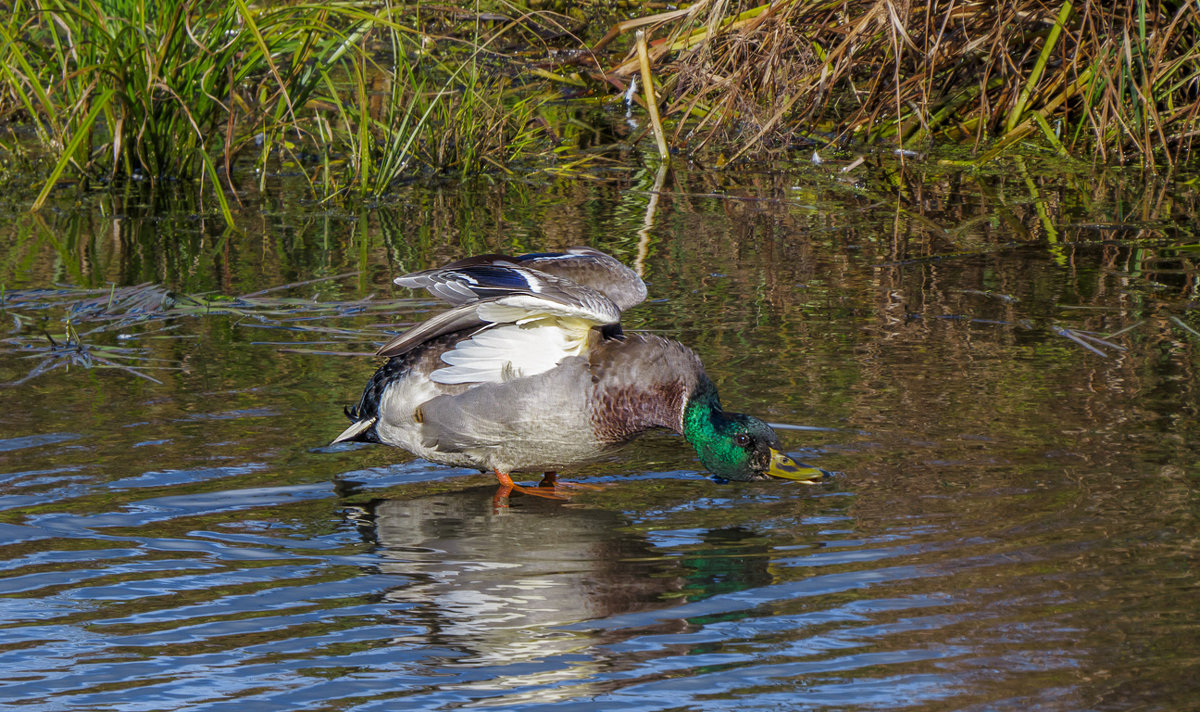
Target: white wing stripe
521,306
512,351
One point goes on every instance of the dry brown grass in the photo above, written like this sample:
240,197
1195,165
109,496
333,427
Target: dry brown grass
1122,81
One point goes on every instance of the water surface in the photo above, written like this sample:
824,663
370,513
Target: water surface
1012,525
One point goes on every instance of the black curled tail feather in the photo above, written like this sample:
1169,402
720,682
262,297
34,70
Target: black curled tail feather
610,332
368,404
352,412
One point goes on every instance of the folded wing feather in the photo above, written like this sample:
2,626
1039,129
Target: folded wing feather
528,320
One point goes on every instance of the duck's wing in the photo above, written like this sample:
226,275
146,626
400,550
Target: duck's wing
494,293
512,284
583,266
591,268
451,283
456,319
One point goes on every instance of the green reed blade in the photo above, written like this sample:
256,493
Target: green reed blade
1014,116
82,132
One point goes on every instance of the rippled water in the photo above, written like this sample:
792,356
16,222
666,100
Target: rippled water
1013,523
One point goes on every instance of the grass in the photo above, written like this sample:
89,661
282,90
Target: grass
120,90
1120,80
357,97
142,90
446,115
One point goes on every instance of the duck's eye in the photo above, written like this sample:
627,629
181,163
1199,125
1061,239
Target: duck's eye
741,439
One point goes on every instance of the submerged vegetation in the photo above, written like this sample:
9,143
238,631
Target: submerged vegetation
135,316
355,96
110,328
1091,264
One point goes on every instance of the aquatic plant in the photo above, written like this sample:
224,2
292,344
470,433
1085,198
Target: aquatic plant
132,316
405,111
355,98
1121,79
139,89
344,93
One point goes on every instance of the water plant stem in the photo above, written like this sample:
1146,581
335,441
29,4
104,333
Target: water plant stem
660,136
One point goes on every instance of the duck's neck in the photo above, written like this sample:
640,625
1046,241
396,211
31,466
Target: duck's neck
701,414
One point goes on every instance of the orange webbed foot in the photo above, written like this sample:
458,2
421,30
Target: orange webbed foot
550,480
507,486
549,488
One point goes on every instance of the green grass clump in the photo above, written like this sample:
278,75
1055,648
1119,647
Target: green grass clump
402,112
341,92
142,89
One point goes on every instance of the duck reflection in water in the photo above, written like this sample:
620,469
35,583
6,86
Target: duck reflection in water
502,588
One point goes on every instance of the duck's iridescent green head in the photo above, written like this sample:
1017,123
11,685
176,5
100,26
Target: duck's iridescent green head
736,446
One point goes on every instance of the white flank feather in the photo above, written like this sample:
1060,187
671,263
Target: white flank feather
506,352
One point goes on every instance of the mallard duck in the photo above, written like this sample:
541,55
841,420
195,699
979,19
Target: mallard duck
529,370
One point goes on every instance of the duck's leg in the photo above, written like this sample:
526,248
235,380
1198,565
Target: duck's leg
550,480
507,486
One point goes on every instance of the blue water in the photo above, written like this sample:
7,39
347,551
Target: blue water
1012,524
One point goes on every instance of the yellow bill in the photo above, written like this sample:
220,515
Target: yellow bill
785,468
